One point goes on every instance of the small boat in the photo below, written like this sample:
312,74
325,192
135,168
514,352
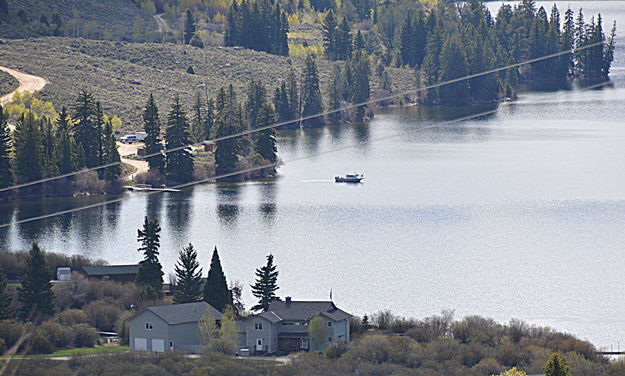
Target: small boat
349,178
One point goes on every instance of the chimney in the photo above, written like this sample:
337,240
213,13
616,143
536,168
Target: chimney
288,302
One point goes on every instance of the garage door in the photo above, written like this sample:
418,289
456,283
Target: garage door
158,345
141,344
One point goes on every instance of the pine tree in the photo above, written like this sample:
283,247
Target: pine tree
179,163
216,291
329,33
35,292
312,104
256,98
85,128
334,91
209,119
360,85
453,65
198,125
556,366
67,154
110,154
29,159
188,277
6,170
228,122
150,270
5,298
153,144
265,144
189,27
266,285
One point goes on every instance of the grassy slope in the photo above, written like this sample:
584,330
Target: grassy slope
8,83
122,75
118,16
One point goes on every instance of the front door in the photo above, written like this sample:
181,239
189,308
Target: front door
304,344
171,345
259,344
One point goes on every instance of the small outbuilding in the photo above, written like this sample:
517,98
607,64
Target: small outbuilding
119,273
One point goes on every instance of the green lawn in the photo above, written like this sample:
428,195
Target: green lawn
88,351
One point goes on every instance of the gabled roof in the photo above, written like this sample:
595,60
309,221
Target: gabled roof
111,269
181,313
280,310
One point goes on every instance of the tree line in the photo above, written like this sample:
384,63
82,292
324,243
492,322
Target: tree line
258,25
189,285
44,148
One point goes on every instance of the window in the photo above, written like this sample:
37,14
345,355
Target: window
258,326
329,323
148,326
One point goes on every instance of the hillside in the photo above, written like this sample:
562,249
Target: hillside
122,75
7,83
85,18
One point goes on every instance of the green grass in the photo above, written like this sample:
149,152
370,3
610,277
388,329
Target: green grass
87,351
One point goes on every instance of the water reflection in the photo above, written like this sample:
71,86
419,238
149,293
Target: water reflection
336,133
227,203
179,211
154,206
6,216
112,214
361,135
267,203
312,138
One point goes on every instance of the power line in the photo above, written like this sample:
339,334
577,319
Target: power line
300,119
201,181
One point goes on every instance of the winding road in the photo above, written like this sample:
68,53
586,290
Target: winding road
28,83
161,23
126,150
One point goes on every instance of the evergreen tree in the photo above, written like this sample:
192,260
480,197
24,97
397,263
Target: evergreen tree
265,144
266,285
334,91
556,366
35,292
86,128
360,85
67,154
5,298
6,170
256,98
188,277
153,144
150,270
110,154
453,65
189,27
259,25
198,126
29,157
229,120
216,291
179,163
343,40
312,104
330,32
209,119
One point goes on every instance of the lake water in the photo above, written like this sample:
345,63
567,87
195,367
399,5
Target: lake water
520,214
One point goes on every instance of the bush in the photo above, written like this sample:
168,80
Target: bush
84,335
71,317
102,314
59,336
39,343
11,331
335,350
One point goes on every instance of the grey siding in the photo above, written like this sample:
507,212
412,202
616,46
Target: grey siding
160,329
267,334
186,337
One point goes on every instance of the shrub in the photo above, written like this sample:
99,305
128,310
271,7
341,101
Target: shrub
103,314
488,366
39,343
59,336
11,331
71,317
335,350
84,335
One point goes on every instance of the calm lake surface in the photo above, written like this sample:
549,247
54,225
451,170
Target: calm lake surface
520,214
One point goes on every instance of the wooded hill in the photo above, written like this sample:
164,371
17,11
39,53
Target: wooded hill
122,75
7,83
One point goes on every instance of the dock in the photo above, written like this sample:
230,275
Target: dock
148,188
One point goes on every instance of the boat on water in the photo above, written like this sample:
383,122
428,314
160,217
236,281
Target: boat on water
349,178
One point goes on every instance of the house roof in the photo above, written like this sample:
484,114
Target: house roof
293,310
111,269
181,313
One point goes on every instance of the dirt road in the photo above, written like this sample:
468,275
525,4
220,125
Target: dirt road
27,82
161,23
140,166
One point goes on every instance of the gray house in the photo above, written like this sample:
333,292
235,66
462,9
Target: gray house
170,327
284,327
